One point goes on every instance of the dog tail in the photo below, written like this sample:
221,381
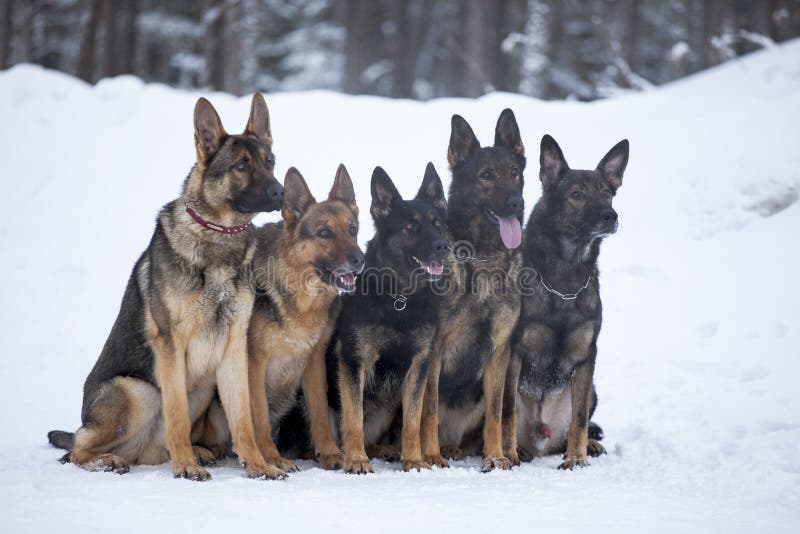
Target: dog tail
595,431
61,439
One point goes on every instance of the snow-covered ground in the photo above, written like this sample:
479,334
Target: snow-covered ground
699,357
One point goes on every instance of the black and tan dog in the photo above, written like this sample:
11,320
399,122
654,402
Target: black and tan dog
556,339
303,264
182,326
478,315
379,358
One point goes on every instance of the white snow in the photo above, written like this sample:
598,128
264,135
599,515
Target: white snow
699,355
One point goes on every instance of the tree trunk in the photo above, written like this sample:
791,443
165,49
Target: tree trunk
110,39
86,55
6,28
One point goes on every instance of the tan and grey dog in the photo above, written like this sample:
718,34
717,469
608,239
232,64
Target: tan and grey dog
182,327
302,266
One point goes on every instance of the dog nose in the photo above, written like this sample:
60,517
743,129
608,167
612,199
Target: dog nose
515,203
441,246
609,216
275,191
356,260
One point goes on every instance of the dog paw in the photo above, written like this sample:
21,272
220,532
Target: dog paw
525,455
571,462
190,471
491,463
452,452
108,463
436,460
388,453
264,471
594,449
331,460
284,464
204,456
415,463
513,457
357,466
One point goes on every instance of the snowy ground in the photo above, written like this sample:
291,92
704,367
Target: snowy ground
699,355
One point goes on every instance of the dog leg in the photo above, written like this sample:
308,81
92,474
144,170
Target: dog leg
233,387
429,426
494,378
170,358
315,390
259,405
414,385
351,391
510,410
578,435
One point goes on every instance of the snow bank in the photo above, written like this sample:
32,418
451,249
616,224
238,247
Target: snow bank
698,358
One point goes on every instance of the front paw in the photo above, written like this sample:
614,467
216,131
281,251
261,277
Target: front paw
571,462
284,464
491,463
594,449
264,471
513,457
452,452
415,463
190,471
204,456
357,465
331,460
436,460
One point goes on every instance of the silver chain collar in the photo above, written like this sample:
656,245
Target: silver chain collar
564,296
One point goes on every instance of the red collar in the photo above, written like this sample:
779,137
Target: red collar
216,227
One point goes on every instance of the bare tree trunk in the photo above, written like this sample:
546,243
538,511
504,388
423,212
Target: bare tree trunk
7,28
475,50
363,27
86,55
130,38
555,35
110,62
714,19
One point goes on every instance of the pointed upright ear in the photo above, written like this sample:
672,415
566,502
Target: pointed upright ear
296,197
258,123
431,189
384,194
612,166
463,142
208,131
342,189
551,162
506,134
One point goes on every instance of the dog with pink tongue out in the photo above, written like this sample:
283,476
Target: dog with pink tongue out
480,310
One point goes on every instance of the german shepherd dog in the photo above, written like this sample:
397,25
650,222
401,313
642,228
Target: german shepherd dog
478,315
304,263
556,339
182,326
379,358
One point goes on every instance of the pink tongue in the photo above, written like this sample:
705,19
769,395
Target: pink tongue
510,231
433,267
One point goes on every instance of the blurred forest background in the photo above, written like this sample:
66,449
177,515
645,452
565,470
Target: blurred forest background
578,49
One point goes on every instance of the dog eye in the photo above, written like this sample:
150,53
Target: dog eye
325,233
408,227
353,230
486,175
607,193
514,172
242,165
269,161
576,195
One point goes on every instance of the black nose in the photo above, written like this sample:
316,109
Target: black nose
515,203
441,247
609,216
356,260
275,191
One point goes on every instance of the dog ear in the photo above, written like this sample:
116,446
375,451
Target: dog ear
258,123
342,189
384,194
208,131
551,162
463,142
431,188
296,197
613,164
506,134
